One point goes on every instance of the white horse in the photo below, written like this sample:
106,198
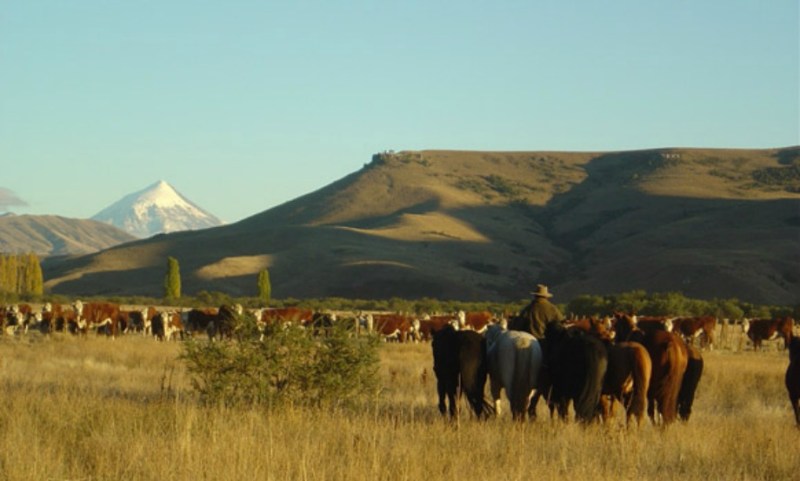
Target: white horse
515,359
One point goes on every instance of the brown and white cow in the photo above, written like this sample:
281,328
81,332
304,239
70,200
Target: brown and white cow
475,320
692,328
101,316
167,325
296,316
17,318
430,324
653,323
51,318
760,330
392,327
137,321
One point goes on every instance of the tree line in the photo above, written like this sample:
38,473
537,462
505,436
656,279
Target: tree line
21,275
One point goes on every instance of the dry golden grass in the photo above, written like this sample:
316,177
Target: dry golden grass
99,409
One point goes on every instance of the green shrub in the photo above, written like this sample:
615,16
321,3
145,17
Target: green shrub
289,366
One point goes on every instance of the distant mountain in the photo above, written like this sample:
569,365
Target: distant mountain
491,225
157,209
50,235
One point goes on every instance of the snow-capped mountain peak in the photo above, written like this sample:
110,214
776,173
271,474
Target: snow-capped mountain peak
156,209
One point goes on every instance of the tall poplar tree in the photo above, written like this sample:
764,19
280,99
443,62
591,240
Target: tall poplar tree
264,287
172,281
4,284
35,277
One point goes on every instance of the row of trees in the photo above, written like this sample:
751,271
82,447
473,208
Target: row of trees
673,303
639,301
21,275
172,283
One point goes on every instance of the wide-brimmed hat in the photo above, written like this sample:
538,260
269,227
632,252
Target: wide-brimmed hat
541,291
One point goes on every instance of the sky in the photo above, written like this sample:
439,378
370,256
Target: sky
245,105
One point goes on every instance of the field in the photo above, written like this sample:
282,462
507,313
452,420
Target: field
97,409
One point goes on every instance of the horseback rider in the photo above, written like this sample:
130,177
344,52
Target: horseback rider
539,312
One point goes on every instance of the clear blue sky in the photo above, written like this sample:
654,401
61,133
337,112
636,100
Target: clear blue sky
244,105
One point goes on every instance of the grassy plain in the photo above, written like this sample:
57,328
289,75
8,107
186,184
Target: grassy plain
96,409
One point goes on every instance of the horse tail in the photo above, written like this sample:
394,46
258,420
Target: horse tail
520,385
473,370
642,368
691,378
596,358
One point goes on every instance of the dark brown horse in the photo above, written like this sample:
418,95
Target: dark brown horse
627,376
793,377
690,381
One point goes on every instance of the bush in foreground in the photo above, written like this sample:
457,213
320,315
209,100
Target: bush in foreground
289,365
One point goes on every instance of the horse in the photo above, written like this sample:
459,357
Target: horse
793,377
628,372
576,364
690,381
670,360
459,362
627,380
515,360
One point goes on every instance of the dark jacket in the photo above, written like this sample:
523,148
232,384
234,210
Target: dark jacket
538,313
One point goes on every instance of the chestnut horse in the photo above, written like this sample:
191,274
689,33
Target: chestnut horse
627,380
627,376
669,384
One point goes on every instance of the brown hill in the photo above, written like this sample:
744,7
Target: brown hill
490,225
50,235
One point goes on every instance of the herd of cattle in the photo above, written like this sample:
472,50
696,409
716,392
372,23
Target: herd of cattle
111,319
652,362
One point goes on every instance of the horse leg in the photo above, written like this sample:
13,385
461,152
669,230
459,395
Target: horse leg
532,406
440,388
651,408
451,396
606,407
495,386
563,410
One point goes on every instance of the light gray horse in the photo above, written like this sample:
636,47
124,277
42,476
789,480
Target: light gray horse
515,359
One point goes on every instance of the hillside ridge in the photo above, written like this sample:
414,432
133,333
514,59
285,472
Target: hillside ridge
489,225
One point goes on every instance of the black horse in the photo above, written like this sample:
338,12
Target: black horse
576,364
793,377
690,381
459,362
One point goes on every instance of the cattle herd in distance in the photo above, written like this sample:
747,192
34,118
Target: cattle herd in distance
642,363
